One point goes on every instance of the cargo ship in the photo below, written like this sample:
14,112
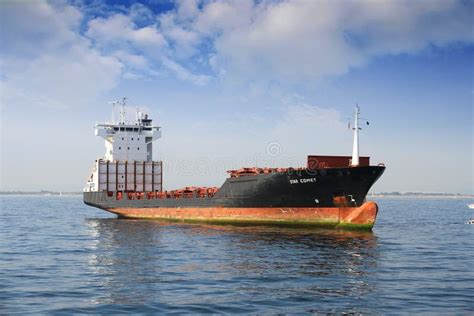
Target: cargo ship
329,191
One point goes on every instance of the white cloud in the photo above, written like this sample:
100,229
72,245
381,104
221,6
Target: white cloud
395,27
61,80
46,62
302,40
133,60
141,14
187,9
184,74
185,42
120,36
288,41
32,28
307,40
297,41
222,16
120,28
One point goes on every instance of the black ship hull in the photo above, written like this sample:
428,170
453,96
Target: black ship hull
299,188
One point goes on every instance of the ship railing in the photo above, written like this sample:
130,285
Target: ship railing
126,125
187,192
256,171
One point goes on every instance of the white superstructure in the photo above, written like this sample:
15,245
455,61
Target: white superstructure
132,141
128,161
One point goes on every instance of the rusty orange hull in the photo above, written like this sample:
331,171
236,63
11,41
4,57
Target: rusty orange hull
362,217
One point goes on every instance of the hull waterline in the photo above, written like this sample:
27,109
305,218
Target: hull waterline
362,217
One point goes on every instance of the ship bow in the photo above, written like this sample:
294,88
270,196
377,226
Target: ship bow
362,217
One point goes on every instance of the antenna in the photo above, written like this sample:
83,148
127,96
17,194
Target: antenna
113,110
122,111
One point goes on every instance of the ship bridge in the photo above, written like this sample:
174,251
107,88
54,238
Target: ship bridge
128,141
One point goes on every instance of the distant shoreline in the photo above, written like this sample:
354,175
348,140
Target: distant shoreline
42,193
447,196
419,194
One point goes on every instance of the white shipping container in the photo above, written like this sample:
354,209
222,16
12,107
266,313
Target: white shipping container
129,176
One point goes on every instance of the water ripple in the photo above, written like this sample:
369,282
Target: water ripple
60,256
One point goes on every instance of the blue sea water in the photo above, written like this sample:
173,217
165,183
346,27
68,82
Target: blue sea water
60,256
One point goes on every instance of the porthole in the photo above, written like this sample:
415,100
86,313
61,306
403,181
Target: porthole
120,147
128,148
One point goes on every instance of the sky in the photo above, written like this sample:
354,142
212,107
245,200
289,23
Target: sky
239,83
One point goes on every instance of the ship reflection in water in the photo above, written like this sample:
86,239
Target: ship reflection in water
204,268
